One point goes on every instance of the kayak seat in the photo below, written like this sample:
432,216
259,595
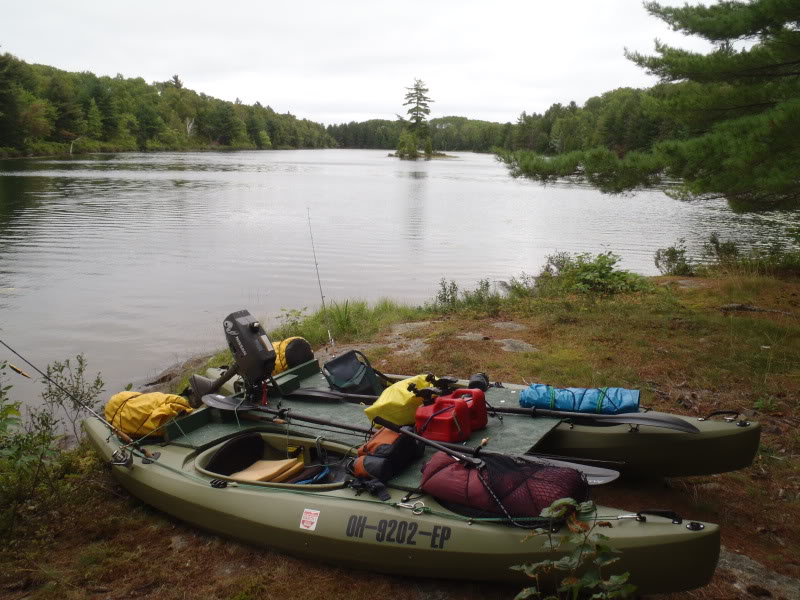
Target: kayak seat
270,470
237,454
266,459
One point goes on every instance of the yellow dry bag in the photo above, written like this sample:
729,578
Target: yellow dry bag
397,404
138,414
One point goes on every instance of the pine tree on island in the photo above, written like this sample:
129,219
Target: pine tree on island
415,129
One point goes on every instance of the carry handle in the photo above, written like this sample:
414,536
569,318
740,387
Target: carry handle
716,413
473,393
657,512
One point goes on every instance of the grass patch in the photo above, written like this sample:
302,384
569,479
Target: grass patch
347,321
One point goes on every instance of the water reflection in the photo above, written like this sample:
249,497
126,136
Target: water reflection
18,194
415,199
413,174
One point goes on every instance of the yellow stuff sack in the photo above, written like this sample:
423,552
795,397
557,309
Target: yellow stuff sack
138,414
291,352
397,404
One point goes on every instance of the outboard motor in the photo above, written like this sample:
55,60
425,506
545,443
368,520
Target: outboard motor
251,348
254,359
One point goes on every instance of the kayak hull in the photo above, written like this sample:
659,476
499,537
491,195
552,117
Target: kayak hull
336,526
719,447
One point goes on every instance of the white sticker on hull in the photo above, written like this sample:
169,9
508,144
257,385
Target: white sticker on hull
309,519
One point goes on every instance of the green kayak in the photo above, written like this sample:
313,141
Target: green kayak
330,522
721,444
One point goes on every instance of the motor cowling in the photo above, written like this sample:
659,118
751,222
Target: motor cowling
250,346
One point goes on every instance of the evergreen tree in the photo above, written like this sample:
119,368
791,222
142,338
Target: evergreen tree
418,100
94,121
739,108
69,123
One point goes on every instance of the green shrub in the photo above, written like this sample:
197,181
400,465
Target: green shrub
407,145
725,257
597,275
447,296
482,298
450,298
34,474
720,252
672,260
521,287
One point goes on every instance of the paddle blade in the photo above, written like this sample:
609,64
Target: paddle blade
594,475
651,420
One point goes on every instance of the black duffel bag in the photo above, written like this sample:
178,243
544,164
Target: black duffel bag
352,373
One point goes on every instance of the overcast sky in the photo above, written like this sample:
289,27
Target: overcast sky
344,60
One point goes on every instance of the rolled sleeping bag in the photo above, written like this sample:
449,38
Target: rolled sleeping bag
605,401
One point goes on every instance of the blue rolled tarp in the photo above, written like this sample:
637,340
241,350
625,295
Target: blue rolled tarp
606,401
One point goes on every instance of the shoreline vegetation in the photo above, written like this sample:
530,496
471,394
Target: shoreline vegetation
726,336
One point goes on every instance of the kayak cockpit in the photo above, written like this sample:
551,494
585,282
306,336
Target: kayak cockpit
273,460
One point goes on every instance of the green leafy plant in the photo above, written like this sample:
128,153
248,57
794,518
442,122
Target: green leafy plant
32,473
522,286
482,298
9,411
672,260
577,573
447,296
767,403
592,275
291,320
71,376
722,252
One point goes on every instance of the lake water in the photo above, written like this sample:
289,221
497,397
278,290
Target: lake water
135,259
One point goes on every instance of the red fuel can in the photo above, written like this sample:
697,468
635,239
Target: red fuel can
476,401
448,419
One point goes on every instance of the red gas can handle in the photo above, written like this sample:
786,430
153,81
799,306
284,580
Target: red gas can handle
474,393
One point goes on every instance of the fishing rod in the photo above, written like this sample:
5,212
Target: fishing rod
319,281
120,434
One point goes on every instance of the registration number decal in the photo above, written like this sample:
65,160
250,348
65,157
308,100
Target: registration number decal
397,531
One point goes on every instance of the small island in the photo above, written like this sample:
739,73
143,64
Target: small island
416,133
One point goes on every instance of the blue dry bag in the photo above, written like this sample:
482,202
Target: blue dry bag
606,401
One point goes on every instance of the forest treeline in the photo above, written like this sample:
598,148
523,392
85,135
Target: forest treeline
44,110
619,120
